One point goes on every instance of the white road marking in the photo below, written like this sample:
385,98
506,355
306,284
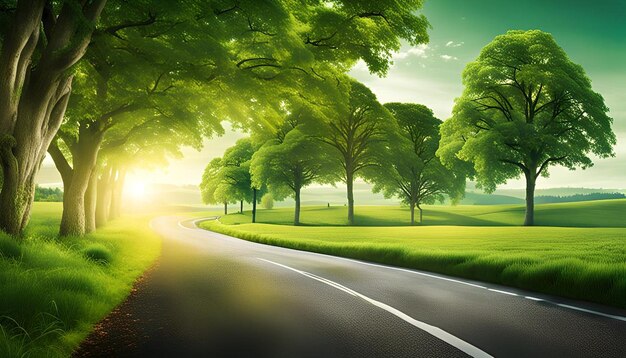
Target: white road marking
533,298
562,305
432,330
504,292
590,311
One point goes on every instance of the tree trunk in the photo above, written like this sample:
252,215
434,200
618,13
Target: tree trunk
225,208
412,213
296,216
91,196
241,206
119,178
529,219
105,192
84,157
16,199
350,190
33,98
421,212
253,205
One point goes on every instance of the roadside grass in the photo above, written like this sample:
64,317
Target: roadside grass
55,289
601,213
587,263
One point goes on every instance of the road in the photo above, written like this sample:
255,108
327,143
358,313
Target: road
213,295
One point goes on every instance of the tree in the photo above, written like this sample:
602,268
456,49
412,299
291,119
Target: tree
211,180
40,42
289,164
227,179
410,169
525,107
264,50
357,132
117,90
268,201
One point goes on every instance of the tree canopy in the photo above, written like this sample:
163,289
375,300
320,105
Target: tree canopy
240,56
409,168
290,163
356,132
525,107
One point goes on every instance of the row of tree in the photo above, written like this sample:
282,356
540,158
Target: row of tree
392,146
525,107
106,85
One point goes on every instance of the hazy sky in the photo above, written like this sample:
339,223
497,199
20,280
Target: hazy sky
592,33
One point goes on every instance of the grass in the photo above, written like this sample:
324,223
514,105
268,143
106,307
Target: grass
587,263
602,213
55,289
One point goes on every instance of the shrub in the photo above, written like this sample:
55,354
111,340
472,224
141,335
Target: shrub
98,253
267,201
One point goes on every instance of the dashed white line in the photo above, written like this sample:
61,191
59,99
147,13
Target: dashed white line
432,330
503,292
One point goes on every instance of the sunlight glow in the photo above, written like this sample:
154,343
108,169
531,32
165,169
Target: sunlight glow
136,190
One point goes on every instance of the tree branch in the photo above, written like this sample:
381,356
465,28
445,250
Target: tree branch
548,161
112,30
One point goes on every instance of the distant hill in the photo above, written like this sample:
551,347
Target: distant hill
578,197
473,198
521,193
189,195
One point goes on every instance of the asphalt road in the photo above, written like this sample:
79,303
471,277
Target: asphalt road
213,295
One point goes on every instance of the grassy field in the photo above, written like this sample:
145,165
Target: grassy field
587,263
603,213
54,290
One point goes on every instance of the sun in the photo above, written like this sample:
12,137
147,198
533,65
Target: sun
136,190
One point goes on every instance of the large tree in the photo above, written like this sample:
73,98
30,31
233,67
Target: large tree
40,42
291,161
409,168
357,133
525,107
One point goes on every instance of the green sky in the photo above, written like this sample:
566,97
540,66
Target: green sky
592,33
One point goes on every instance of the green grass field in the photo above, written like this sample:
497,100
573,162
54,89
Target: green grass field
54,290
604,213
586,262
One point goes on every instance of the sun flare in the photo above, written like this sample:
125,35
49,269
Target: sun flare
136,190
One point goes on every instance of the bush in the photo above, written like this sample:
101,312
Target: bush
267,201
98,253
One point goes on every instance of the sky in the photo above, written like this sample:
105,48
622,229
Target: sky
592,33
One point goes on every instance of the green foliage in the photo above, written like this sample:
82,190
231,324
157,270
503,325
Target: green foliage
411,171
267,201
228,179
553,260
52,294
357,131
525,107
98,253
290,164
48,194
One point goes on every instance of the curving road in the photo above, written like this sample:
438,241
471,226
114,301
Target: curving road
213,295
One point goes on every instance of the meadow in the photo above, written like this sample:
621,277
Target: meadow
579,252
55,289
